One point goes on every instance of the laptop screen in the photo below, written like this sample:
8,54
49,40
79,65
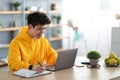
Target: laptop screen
66,59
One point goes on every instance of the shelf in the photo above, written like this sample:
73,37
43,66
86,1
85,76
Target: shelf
51,12
3,62
54,25
9,29
55,12
11,12
4,45
28,12
55,38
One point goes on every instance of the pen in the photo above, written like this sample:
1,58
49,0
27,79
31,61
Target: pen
39,64
42,66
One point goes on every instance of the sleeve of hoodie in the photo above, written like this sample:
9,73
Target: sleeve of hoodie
14,58
51,54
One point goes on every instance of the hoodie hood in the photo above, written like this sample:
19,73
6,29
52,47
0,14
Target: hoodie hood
24,34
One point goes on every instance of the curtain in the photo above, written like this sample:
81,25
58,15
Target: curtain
94,19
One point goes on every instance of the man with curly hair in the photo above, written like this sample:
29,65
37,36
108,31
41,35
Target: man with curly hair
29,47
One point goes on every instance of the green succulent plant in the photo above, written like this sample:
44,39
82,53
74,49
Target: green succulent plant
93,55
16,4
58,18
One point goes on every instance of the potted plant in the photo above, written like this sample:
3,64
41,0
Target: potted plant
93,56
58,32
16,5
58,18
0,24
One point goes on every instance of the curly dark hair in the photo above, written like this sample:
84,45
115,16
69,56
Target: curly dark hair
36,18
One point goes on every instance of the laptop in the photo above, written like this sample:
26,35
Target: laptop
65,60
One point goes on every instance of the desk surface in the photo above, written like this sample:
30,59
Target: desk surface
74,73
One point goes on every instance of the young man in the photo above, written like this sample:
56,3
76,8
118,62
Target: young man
30,47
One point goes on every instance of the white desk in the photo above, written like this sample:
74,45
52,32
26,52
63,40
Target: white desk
75,73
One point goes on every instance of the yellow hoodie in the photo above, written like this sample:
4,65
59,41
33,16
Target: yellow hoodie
24,50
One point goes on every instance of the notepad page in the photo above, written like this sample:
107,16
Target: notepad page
29,73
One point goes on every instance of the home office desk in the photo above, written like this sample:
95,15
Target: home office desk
74,73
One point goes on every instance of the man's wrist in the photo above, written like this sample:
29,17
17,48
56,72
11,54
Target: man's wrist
30,67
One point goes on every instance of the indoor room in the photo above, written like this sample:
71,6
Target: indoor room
82,30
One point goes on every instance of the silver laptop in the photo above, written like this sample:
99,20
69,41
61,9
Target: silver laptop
65,60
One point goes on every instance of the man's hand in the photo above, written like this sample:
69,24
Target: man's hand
38,68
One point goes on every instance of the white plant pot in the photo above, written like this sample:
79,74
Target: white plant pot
93,62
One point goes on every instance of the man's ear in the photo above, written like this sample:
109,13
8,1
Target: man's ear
30,26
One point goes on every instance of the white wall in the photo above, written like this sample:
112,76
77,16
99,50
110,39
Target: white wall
94,19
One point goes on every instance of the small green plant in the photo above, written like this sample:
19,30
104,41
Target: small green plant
0,24
93,55
58,18
16,5
26,16
58,31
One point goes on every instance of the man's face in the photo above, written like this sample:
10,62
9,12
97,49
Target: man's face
37,31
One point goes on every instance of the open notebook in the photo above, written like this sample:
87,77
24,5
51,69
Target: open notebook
29,73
